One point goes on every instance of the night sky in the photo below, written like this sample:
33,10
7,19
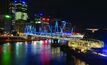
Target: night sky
85,13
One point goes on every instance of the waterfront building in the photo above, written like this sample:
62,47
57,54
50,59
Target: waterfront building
18,9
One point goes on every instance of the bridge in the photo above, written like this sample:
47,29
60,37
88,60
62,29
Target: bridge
59,36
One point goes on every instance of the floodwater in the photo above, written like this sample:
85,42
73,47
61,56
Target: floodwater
37,53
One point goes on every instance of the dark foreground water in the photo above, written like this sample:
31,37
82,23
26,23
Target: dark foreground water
38,53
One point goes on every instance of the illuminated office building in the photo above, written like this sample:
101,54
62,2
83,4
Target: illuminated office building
18,9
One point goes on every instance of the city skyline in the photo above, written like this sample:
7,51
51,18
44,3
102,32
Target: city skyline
53,32
88,13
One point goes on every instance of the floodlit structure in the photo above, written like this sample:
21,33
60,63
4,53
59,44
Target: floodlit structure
84,45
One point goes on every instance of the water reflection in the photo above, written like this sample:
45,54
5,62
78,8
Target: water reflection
6,54
80,62
35,53
19,53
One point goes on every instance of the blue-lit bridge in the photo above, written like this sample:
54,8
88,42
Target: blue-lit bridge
61,36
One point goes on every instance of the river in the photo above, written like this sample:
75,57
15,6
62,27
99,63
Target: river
37,53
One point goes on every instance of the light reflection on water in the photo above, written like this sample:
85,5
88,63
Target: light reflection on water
6,54
79,62
35,53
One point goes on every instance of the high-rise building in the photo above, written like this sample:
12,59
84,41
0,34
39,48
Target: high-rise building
3,10
21,10
18,9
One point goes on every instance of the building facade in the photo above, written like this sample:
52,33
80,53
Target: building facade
18,9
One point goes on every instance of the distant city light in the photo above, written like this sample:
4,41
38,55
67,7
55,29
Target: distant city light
41,14
63,21
15,1
24,2
48,19
35,14
7,16
38,22
43,19
21,16
92,29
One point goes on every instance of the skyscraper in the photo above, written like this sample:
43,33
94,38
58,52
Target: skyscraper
18,8
3,9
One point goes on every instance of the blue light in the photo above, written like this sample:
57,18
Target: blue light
15,1
35,14
56,26
63,21
41,14
24,2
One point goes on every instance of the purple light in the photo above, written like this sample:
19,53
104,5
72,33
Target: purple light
35,14
23,2
41,14
15,1
63,21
